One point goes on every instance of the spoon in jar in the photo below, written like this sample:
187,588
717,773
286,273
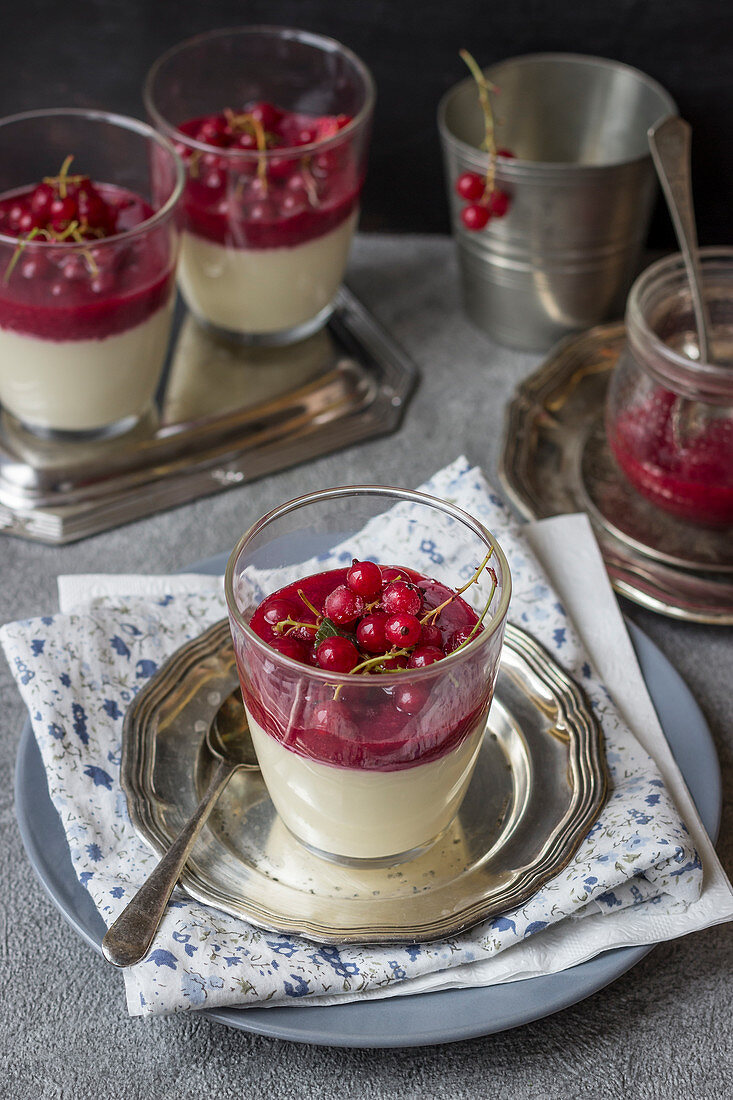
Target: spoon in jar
229,741
670,142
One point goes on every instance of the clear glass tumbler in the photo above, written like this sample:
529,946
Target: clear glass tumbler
669,415
367,766
273,125
86,293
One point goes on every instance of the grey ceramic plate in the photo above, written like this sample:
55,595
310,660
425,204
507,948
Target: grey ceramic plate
539,784
400,1021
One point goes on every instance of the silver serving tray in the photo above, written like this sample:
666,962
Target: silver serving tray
539,785
555,460
224,415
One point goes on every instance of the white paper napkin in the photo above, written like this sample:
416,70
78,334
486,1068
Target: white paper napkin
203,958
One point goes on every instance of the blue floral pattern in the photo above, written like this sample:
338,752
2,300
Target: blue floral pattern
77,674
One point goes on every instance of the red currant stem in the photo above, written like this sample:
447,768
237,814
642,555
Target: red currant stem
378,660
35,232
433,614
484,613
489,140
245,120
290,622
62,177
309,605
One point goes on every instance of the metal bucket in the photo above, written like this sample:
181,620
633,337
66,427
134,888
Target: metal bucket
582,188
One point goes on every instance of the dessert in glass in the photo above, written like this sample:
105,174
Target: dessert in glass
669,416
367,685
273,126
88,248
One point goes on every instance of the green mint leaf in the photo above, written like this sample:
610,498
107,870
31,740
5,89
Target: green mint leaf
327,629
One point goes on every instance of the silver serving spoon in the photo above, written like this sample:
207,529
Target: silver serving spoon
228,739
670,142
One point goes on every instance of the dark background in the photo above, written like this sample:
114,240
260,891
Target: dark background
96,53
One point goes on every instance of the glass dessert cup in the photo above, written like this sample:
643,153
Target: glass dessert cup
273,126
86,299
367,767
669,417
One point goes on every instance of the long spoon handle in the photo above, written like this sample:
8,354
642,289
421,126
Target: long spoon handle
670,143
131,935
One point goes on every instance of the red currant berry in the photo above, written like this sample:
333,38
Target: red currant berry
370,632
410,698
499,204
402,630
391,664
506,153
365,578
266,114
342,605
460,636
103,283
402,596
470,186
425,655
41,200
475,217
277,610
28,221
337,654
291,647
245,141
431,635
389,574
334,716
63,210
213,132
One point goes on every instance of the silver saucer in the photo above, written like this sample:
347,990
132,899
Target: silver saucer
539,785
555,460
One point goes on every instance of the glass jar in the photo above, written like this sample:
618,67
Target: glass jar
366,767
273,127
85,312
669,416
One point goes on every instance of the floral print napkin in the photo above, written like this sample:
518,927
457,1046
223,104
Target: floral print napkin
78,672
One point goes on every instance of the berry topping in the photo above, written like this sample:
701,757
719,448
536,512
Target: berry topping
337,654
365,578
425,655
430,635
402,630
343,605
402,596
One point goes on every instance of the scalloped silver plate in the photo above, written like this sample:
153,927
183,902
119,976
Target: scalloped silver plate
539,785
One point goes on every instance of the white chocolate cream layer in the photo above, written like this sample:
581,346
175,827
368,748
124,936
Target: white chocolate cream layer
365,814
82,385
263,290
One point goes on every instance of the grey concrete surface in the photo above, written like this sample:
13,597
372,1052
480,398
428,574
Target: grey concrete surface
663,1030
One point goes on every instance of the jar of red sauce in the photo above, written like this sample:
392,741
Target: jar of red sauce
669,416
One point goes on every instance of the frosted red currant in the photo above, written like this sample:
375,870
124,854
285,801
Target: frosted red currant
337,654
402,596
342,605
365,578
402,630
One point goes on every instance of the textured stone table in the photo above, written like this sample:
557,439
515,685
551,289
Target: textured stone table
662,1030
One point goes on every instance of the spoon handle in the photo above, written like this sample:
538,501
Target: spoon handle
670,143
129,938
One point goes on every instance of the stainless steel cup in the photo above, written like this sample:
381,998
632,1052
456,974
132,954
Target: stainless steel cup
581,188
